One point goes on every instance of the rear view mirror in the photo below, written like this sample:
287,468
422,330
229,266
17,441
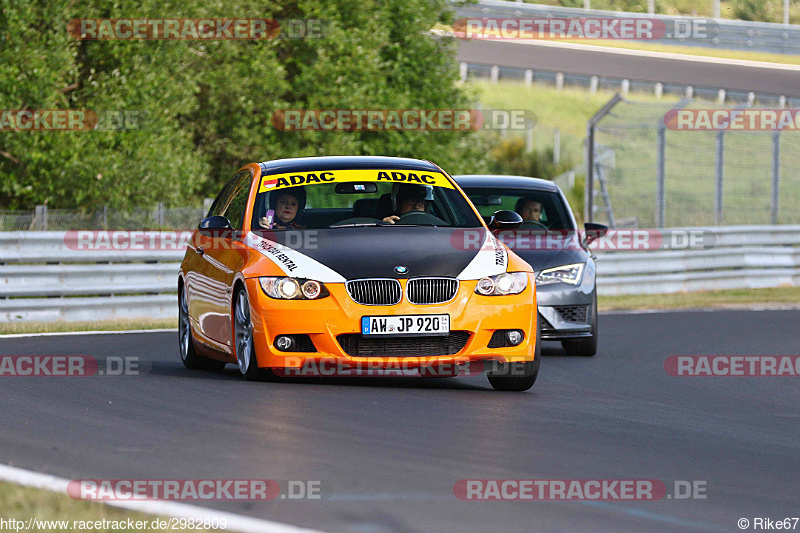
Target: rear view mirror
505,220
215,226
356,188
594,231
487,200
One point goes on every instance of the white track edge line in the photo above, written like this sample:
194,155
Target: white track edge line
235,522
97,332
754,308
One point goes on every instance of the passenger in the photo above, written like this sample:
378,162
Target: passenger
407,198
529,209
286,205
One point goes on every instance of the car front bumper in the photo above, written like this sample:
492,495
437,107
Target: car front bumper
326,319
567,309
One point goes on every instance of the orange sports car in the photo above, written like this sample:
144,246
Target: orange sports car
343,265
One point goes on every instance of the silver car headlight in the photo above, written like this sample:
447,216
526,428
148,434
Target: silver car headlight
286,288
571,274
502,284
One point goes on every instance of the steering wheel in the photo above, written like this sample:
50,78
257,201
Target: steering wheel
424,218
532,224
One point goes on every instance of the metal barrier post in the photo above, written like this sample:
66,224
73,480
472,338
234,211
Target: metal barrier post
776,176
719,170
588,190
41,217
661,176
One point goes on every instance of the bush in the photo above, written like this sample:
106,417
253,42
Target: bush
510,157
757,10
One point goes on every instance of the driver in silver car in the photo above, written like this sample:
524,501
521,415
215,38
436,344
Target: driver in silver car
407,198
529,209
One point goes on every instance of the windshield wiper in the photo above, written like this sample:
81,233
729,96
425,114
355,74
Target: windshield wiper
359,225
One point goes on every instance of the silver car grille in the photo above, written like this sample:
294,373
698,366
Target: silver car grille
426,291
572,313
375,291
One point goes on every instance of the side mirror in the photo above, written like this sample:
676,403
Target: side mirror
215,227
594,231
505,220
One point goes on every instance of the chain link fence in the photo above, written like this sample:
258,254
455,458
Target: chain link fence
662,177
156,217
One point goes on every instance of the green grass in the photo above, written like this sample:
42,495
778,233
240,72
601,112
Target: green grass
105,325
567,110
23,503
733,298
631,132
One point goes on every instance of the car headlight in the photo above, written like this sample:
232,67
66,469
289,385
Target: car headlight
502,284
563,274
286,288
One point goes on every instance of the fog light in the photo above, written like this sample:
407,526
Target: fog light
514,337
284,343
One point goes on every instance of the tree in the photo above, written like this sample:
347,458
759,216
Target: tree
205,106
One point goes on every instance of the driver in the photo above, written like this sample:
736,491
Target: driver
407,198
285,206
529,209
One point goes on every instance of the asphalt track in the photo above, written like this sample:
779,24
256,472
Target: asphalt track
607,63
391,449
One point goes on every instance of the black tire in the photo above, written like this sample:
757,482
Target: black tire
188,354
587,346
518,377
243,339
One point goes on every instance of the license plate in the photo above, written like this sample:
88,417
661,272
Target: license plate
406,325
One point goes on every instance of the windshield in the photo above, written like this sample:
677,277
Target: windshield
538,209
359,198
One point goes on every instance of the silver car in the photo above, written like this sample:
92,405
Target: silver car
549,240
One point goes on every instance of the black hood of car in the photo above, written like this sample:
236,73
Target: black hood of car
374,252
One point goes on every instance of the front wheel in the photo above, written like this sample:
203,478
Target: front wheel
518,377
189,356
243,338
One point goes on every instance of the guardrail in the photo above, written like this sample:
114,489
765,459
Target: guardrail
723,33
560,80
44,279
741,257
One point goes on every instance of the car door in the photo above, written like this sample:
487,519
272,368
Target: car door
220,259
